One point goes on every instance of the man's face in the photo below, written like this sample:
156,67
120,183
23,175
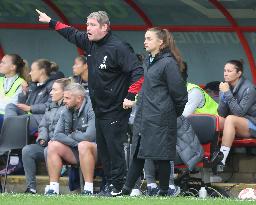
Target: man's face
70,100
95,31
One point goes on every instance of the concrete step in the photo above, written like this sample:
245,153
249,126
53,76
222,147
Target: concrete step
17,184
233,189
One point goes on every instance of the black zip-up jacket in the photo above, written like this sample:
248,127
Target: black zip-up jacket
38,97
162,99
115,72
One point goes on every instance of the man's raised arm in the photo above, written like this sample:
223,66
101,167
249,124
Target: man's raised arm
72,34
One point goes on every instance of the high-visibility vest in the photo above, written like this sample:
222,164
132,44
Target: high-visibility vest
209,107
12,91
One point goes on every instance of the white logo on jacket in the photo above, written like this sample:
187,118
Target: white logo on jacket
103,64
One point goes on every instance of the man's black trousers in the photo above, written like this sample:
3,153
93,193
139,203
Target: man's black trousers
111,134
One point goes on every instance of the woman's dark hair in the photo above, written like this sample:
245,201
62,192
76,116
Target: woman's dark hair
46,65
82,58
21,66
54,66
169,42
63,82
238,65
184,72
140,57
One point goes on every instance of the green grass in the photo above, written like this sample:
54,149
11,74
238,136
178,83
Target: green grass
22,199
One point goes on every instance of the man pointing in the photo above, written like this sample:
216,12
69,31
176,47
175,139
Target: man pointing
115,77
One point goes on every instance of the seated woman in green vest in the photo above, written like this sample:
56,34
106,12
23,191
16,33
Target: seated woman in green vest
199,102
15,74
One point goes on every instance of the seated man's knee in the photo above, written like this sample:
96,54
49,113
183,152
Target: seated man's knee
82,146
85,146
54,146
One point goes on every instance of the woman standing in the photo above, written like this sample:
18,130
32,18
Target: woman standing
15,74
238,106
161,100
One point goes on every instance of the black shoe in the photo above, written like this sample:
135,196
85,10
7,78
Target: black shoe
116,192
86,193
30,191
217,157
106,191
124,192
174,191
152,191
162,192
110,191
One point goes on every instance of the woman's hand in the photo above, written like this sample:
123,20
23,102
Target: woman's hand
224,87
42,142
43,17
24,107
24,87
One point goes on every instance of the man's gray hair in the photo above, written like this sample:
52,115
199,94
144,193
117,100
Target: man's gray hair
76,89
100,16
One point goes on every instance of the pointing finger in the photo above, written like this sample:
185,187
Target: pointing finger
39,12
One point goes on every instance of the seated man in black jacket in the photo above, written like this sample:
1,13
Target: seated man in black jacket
74,139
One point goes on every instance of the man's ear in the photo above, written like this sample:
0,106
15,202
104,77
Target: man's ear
240,73
79,98
104,27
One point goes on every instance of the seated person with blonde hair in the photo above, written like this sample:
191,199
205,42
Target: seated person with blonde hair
33,153
74,139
